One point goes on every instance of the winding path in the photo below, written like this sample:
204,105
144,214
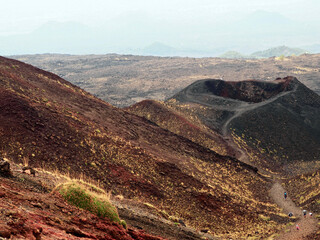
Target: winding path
246,107
307,225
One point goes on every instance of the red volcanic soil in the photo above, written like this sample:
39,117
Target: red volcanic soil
29,211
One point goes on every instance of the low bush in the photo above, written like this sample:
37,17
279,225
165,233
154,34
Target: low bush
123,223
78,195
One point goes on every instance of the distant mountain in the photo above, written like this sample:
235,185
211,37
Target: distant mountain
159,49
163,50
271,52
52,37
60,29
315,48
136,30
232,54
278,51
264,20
262,30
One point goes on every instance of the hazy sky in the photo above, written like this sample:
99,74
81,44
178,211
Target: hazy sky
19,16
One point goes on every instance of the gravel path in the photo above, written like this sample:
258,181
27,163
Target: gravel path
306,224
246,107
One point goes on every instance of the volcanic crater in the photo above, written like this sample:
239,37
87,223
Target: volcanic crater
254,109
252,91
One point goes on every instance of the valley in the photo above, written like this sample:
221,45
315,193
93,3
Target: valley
123,80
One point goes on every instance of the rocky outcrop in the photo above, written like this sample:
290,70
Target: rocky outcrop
4,168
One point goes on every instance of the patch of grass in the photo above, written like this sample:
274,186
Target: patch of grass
265,218
149,205
25,161
80,196
164,214
273,236
123,223
173,219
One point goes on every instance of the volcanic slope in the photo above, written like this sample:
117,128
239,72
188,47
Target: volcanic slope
54,125
181,123
30,211
277,121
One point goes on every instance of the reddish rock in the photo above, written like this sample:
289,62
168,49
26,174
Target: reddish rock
5,231
5,168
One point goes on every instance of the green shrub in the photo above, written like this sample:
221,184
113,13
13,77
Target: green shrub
265,218
81,197
123,223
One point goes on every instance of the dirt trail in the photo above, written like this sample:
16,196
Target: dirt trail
307,224
246,107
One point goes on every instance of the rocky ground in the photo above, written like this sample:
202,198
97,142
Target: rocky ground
29,209
53,124
304,227
123,80
49,121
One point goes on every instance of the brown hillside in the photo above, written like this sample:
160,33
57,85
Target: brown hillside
55,125
181,123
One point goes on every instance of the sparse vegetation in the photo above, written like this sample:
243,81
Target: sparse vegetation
81,197
123,223
280,58
264,218
25,161
305,190
132,157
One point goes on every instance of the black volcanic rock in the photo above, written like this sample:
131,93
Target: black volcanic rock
248,91
4,168
279,118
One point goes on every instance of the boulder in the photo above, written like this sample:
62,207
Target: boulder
29,170
182,223
5,168
5,231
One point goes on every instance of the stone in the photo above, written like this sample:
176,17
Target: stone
37,233
182,223
5,231
5,168
29,170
